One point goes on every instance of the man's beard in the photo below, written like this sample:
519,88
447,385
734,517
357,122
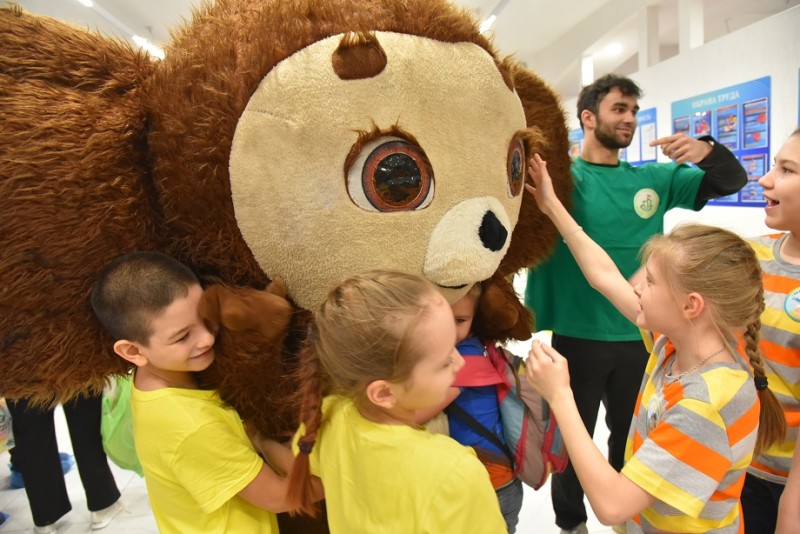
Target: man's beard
609,139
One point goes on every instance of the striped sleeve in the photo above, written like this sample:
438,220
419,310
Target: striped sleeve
780,347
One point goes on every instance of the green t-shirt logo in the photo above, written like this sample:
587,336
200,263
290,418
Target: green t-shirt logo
645,203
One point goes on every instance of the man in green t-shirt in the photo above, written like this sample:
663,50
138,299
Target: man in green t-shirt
620,207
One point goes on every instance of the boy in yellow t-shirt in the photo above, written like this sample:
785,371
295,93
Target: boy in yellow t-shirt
202,471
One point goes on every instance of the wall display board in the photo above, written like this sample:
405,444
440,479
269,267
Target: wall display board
644,135
575,138
640,151
738,117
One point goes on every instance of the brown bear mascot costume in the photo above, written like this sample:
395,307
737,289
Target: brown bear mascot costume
295,141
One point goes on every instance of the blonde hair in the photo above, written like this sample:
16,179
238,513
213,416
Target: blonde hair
723,268
361,333
475,291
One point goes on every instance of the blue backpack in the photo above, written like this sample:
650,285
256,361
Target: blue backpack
532,439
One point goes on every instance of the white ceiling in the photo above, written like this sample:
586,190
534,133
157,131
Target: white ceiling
549,36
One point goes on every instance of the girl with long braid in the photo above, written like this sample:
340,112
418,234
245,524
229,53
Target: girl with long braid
701,411
382,347
771,493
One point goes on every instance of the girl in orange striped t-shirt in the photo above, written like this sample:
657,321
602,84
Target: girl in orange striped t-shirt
696,422
779,255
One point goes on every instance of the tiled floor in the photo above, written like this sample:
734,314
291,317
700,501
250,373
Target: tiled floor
137,518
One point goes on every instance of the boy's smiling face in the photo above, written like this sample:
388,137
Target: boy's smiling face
180,340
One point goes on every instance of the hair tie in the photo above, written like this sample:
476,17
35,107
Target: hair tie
761,382
305,446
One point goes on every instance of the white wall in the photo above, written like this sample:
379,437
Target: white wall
770,47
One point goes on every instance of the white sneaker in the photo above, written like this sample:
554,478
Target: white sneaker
47,529
580,529
101,518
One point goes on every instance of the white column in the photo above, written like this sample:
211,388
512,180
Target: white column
690,25
648,37
587,69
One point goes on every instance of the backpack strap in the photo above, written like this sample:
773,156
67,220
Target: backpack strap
457,411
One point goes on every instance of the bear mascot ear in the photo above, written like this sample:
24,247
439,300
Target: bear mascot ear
256,323
264,313
501,315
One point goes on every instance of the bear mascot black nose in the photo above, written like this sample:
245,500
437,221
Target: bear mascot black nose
492,232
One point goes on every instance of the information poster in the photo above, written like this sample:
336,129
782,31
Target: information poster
701,123
640,151
728,126
755,123
649,153
646,132
575,138
756,166
739,118
634,151
682,124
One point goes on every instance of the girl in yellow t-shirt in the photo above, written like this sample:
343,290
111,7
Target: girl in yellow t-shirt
382,347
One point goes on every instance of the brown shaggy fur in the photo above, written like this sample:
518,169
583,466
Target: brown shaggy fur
73,191
104,151
98,125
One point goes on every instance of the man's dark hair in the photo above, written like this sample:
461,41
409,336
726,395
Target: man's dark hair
133,288
592,94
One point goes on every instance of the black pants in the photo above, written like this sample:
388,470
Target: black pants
760,500
600,371
35,456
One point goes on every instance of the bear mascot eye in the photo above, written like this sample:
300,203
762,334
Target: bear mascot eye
516,166
391,174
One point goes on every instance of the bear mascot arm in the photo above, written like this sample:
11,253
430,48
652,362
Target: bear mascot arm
301,140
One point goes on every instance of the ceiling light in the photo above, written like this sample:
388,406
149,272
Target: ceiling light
612,50
152,49
486,24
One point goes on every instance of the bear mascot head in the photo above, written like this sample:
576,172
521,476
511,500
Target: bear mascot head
284,141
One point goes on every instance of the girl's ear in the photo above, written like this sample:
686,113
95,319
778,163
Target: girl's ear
381,394
694,305
129,350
